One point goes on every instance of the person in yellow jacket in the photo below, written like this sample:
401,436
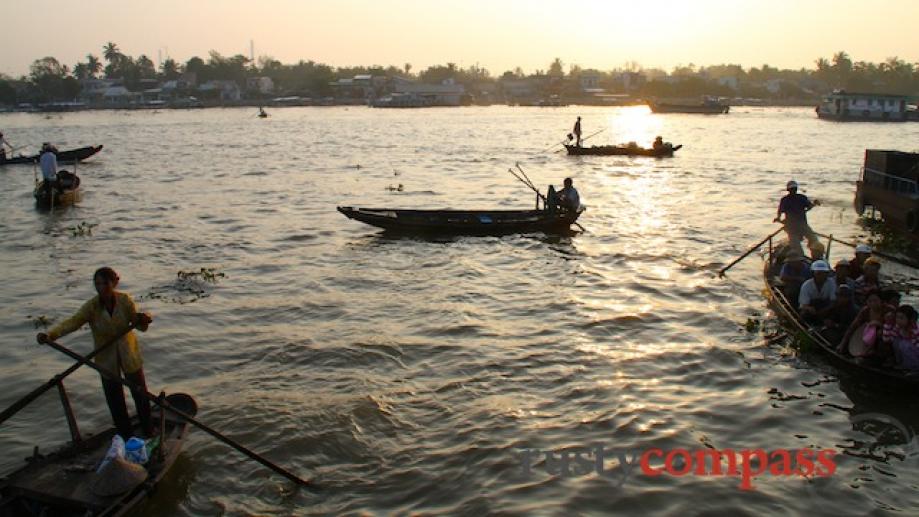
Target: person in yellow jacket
109,314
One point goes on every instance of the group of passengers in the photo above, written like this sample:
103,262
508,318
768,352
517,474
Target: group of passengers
847,302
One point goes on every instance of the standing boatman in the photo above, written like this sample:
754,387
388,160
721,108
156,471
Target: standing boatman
48,164
3,145
577,132
795,207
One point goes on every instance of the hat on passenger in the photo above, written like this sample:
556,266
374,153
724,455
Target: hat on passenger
844,290
863,248
791,184
842,262
820,265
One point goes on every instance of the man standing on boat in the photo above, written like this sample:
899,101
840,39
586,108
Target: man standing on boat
577,132
795,207
48,164
3,145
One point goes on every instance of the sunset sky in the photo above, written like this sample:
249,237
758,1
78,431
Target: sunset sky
497,34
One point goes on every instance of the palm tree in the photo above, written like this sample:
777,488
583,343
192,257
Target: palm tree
111,52
93,65
81,71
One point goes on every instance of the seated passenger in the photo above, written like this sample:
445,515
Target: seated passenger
568,197
817,250
891,298
862,253
842,275
869,281
903,336
817,294
863,337
841,314
794,273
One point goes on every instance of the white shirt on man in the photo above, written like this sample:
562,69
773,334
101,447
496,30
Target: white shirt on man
48,163
810,293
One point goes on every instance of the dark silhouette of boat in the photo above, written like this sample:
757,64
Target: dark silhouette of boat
622,150
464,222
707,107
63,482
63,157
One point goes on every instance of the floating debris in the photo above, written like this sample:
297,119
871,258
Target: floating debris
40,321
189,286
83,229
391,188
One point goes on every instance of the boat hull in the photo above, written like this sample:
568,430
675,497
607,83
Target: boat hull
875,377
703,109
463,222
620,150
61,198
60,483
63,157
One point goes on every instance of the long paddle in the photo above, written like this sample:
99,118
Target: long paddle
751,250
34,394
166,405
873,252
586,137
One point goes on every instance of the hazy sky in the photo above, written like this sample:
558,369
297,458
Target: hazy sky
497,34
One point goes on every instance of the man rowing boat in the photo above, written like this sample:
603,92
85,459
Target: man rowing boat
795,207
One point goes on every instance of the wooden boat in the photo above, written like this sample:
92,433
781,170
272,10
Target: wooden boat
61,483
63,157
68,196
464,222
876,377
621,150
707,108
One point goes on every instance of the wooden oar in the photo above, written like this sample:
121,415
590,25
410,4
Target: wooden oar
892,258
34,394
751,250
166,405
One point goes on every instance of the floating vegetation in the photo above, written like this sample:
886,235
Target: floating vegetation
189,286
391,188
83,229
42,321
207,274
752,325
884,236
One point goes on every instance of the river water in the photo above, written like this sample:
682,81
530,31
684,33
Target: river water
410,375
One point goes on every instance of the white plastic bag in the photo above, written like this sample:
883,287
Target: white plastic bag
115,450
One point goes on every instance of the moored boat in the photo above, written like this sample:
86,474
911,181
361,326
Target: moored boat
877,377
706,107
65,482
622,150
889,184
464,222
63,157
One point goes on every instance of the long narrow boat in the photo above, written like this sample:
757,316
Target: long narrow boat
62,483
464,222
65,197
705,108
621,150
876,377
63,157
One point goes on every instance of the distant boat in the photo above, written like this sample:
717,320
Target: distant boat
63,157
622,150
464,222
400,100
708,106
863,107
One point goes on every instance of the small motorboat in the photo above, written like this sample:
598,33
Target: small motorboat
622,150
63,157
464,222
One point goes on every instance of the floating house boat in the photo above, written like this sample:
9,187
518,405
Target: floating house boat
868,107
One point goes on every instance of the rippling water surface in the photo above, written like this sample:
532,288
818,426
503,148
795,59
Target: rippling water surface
407,375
